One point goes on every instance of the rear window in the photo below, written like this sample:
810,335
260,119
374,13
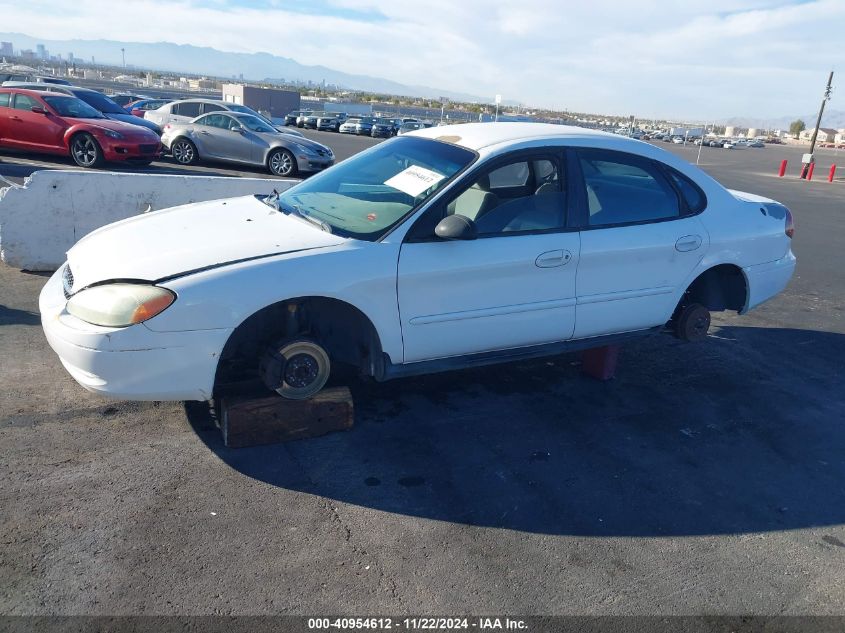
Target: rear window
4,99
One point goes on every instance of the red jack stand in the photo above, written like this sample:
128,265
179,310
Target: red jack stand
600,362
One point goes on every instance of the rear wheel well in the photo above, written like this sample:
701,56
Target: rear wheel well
719,288
346,333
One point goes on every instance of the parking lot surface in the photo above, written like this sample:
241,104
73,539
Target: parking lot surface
703,479
16,166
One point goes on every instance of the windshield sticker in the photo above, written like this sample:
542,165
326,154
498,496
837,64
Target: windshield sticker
414,180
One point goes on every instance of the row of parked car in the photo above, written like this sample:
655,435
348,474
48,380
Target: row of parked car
93,128
343,123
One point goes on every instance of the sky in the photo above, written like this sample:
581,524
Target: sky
648,58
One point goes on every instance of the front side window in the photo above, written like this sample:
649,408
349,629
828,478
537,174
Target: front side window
525,195
213,120
622,188
367,194
24,102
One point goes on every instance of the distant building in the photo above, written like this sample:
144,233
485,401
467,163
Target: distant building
70,57
753,132
6,49
277,103
203,84
839,138
28,54
825,135
42,51
730,130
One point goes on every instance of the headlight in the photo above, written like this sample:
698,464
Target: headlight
113,134
119,305
303,148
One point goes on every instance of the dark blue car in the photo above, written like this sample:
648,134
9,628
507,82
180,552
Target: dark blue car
109,108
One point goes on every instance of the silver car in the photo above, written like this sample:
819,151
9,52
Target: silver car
244,138
186,110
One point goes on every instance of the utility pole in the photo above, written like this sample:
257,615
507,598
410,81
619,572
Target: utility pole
809,157
123,53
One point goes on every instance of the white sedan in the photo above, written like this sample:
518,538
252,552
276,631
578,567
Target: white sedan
436,250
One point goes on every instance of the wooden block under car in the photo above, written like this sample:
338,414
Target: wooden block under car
267,420
600,362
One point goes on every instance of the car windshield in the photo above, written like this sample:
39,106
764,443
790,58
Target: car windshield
233,107
364,196
71,107
254,123
100,102
411,126
353,121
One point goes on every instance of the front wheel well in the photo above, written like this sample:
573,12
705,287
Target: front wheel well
347,334
722,287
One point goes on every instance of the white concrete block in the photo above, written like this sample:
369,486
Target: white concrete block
54,209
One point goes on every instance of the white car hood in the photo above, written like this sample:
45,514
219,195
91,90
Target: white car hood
190,238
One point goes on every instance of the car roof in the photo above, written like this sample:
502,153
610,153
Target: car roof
475,136
36,93
200,100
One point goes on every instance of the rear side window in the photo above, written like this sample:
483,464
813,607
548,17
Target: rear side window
692,193
187,109
4,99
212,107
623,188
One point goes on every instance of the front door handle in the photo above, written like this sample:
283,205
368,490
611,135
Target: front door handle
688,243
551,259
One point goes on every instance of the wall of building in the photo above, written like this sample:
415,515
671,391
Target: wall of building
270,100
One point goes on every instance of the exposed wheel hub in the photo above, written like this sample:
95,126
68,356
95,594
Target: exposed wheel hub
301,370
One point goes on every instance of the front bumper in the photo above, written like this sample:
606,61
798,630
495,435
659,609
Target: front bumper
767,280
128,150
132,363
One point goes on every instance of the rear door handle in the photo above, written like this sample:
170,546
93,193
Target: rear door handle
688,243
551,259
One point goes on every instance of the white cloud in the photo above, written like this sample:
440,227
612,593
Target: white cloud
696,59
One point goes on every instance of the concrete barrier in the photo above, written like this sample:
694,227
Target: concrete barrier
42,219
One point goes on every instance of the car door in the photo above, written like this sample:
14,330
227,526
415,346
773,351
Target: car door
226,139
5,116
32,130
513,286
183,112
640,242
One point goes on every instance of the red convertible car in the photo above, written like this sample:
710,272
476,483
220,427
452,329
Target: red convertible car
55,123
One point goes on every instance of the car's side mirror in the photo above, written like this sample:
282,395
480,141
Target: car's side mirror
38,110
456,227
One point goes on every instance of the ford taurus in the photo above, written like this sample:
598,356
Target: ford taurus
436,250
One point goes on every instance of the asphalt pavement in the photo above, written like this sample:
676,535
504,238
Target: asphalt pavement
16,166
703,479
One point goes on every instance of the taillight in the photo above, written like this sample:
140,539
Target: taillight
790,225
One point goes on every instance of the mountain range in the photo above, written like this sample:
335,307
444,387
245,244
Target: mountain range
186,58
834,119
